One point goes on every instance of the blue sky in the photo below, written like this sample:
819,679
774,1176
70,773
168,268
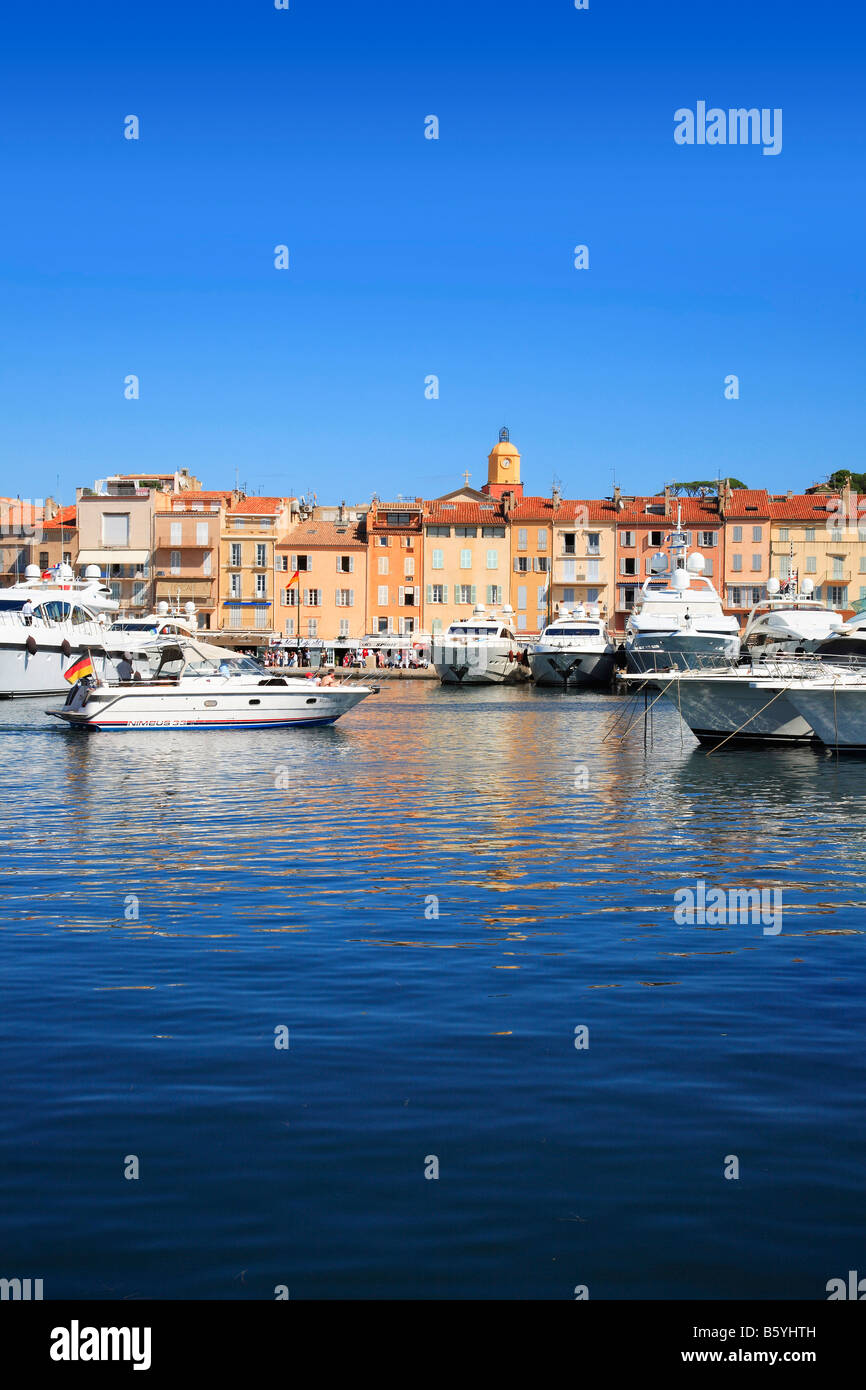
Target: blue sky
411,257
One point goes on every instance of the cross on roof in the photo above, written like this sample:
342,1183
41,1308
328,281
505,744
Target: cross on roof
466,476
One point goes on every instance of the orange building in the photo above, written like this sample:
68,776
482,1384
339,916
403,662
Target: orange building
395,567
329,600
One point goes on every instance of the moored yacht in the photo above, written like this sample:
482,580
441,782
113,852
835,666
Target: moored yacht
678,619
575,649
789,621
726,702
481,649
181,683
46,621
163,622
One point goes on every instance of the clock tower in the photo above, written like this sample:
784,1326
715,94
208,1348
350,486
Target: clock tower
503,469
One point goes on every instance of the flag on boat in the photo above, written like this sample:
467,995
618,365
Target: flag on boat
79,669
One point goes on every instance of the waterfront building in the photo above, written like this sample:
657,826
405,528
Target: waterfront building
821,535
116,530
395,567
251,528
746,548
328,601
642,527
35,534
186,552
466,557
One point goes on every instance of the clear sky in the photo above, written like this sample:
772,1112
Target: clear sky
411,257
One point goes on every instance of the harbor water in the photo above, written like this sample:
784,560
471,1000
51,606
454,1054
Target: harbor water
403,1008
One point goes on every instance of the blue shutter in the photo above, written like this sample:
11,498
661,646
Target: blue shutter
429,593
473,600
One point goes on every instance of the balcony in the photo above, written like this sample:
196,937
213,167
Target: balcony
170,587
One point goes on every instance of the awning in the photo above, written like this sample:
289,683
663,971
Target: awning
113,557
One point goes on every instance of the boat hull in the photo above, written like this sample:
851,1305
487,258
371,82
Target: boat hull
571,668
728,707
254,708
837,715
24,674
478,666
659,652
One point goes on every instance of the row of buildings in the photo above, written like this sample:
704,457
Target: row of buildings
260,567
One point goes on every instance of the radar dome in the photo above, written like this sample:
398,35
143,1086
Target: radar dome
189,607
64,573
696,563
93,572
681,579
808,586
773,585
32,572
162,607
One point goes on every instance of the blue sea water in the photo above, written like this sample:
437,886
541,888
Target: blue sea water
289,879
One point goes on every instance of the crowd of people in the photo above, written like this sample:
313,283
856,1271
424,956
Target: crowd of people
357,657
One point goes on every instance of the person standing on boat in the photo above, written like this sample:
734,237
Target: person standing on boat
124,667
27,613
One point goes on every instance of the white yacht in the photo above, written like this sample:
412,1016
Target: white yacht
163,622
69,617
831,699
847,642
181,683
678,620
789,621
727,703
575,649
480,650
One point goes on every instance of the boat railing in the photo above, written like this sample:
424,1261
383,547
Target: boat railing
770,665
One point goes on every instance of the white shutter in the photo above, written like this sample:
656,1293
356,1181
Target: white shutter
402,595
293,563
351,564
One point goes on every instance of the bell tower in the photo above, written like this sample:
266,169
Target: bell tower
503,468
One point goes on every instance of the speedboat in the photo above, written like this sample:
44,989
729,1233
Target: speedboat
678,619
789,621
480,650
181,683
70,618
575,649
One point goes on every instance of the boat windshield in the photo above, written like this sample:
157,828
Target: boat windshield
573,631
224,666
458,630
8,605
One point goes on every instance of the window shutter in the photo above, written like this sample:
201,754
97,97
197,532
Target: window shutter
444,593
339,598
306,598
293,563
351,564
402,594
472,599
516,565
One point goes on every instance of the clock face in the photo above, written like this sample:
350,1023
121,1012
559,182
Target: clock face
505,463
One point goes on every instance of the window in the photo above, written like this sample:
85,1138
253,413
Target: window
409,566
290,627
399,519
290,597
346,598
628,564
756,562
521,596
838,572
757,533
382,596
466,559
568,596
493,532
383,625
261,555
235,554
438,563
235,586
466,531
626,538
735,598
262,586
542,540
304,563
656,538
628,594
737,562
383,540
836,595
521,538
465,593
282,562
494,593
541,596
410,597
115,528
346,564
312,627
568,539
312,597
437,593
344,627
707,539
43,559
863,564
236,617
592,569
383,564
568,569
521,564
521,622
812,564
176,533
810,533
785,567
493,559
175,562
438,530
541,564
836,534
592,595
783,533
260,617
201,533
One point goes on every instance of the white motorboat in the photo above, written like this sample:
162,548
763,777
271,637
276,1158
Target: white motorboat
481,650
727,702
678,620
831,699
186,684
575,649
46,622
847,641
789,621
163,622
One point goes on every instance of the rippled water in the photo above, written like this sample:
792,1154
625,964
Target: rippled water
286,878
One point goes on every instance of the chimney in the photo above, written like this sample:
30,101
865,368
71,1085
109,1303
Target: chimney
616,495
556,499
789,495
50,509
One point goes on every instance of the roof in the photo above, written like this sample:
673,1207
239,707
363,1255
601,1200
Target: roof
747,501
333,535
812,506
191,498
439,513
258,506
65,517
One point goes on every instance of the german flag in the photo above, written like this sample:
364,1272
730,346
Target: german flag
79,669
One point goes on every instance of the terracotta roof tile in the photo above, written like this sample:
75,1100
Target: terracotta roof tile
810,507
333,535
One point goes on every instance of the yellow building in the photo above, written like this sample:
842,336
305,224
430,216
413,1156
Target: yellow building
248,580
821,536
